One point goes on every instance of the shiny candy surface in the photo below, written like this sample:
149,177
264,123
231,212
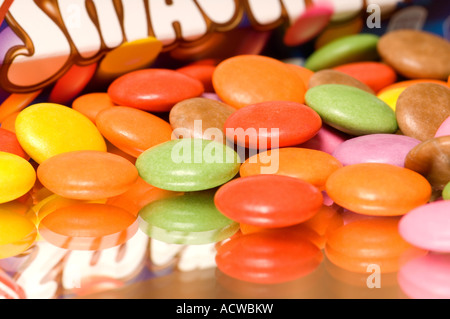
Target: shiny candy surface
155,90
17,233
250,79
375,148
269,200
427,226
351,110
132,130
88,226
87,175
91,104
336,77
188,165
364,188
190,219
17,177
312,166
444,128
421,108
272,124
10,144
37,124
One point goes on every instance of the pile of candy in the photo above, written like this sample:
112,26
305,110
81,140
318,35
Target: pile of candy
276,163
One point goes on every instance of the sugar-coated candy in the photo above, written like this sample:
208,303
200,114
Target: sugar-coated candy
17,177
88,226
250,79
269,200
37,124
188,164
329,76
272,124
10,144
132,130
378,189
91,104
446,192
190,219
155,90
351,110
17,233
444,128
87,175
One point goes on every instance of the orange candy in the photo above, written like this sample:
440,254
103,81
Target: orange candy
88,226
309,165
378,189
304,73
92,103
132,130
251,79
16,102
87,175
9,123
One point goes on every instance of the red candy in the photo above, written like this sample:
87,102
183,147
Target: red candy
201,72
268,200
10,144
156,90
283,122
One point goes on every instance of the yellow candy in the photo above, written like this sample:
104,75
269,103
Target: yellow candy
390,96
17,177
17,234
47,129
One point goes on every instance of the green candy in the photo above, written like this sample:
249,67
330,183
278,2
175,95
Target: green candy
351,110
353,48
187,165
446,192
189,219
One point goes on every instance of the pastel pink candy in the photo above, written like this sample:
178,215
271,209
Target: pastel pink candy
428,226
375,148
326,140
444,129
426,277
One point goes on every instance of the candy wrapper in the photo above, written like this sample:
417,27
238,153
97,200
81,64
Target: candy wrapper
68,53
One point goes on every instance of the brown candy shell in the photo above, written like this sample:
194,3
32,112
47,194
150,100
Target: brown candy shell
431,159
416,54
421,109
337,77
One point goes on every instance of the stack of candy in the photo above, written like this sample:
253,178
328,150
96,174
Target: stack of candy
274,165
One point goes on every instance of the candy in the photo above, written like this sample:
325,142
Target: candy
17,234
352,48
351,110
339,29
37,124
426,277
375,148
446,192
336,77
272,124
91,104
376,75
190,219
268,257
421,108
311,166
16,102
251,79
268,200
132,130
88,226
399,49
378,189
155,90
87,175
188,165
444,128
430,158
17,177
426,226
302,72
361,243
10,144
326,140
200,118
201,72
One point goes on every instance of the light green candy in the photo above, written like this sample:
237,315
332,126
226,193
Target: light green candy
351,110
352,48
189,219
188,165
446,192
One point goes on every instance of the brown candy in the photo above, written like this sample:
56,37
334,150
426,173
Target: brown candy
431,159
416,54
336,77
194,117
421,109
